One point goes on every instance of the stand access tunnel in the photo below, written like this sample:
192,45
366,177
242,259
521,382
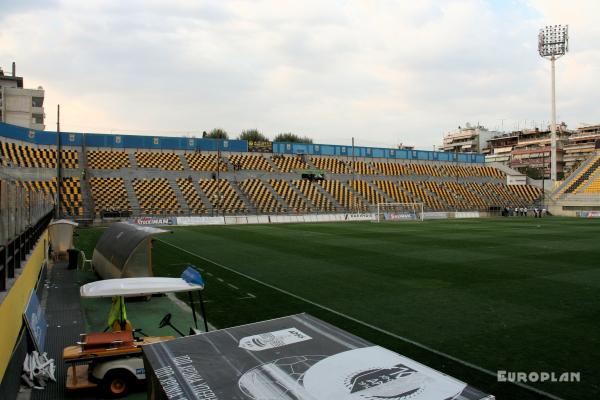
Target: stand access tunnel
125,251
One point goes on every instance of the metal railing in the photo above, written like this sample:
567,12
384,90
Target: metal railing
24,215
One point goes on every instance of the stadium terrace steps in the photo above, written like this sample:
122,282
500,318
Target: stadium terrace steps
394,193
109,194
289,164
285,198
131,197
181,199
223,197
593,186
260,196
318,199
289,197
206,162
202,195
367,192
193,201
107,159
582,175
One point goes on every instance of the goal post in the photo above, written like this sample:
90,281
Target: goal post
399,212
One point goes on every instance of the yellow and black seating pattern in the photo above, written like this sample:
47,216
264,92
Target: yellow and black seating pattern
260,196
343,196
194,202
255,162
584,176
420,195
70,193
205,162
33,157
468,198
361,168
289,163
424,169
230,201
392,168
109,194
152,159
594,186
284,190
528,193
393,190
330,164
367,191
312,193
46,187
104,159
156,196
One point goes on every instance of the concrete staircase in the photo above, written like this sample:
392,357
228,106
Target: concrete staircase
86,193
205,200
381,192
301,195
179,195
284,204
329,197
133,201
242,195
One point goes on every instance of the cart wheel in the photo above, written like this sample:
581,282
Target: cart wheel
117,383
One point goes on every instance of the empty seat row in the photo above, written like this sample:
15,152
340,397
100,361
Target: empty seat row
156,196
36,157
260,196
151,159
109,195
106,159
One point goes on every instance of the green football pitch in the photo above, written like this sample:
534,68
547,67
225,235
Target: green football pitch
466,297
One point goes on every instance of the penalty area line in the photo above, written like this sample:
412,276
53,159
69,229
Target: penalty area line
366,324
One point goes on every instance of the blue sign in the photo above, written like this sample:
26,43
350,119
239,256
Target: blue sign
36,322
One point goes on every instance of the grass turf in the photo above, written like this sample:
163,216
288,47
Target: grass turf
517,294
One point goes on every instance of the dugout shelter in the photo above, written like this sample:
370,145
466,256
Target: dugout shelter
125,251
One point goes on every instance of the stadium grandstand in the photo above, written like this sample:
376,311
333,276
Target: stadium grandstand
112,175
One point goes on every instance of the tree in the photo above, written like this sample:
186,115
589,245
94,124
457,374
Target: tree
253,135
217,133
291,137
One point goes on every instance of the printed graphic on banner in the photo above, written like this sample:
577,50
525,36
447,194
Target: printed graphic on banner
36,321
376,373
154,220
257,383
589,214
271,340
395,216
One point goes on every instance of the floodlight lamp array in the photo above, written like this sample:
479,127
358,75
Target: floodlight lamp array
553,41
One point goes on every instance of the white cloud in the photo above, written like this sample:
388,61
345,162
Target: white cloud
384,72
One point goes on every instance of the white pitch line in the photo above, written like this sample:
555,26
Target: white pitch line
363,323
233,286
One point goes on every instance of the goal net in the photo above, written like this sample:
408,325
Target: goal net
399,212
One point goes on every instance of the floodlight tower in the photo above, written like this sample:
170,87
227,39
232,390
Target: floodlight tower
553,42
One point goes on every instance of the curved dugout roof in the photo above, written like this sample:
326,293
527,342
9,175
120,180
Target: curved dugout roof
61,234
123,251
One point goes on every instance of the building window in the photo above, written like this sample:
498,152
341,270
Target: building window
37,101
37,118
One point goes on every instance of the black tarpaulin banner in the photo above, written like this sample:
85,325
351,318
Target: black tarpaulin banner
292,358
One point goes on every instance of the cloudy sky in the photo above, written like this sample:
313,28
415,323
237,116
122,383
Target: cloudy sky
384,72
